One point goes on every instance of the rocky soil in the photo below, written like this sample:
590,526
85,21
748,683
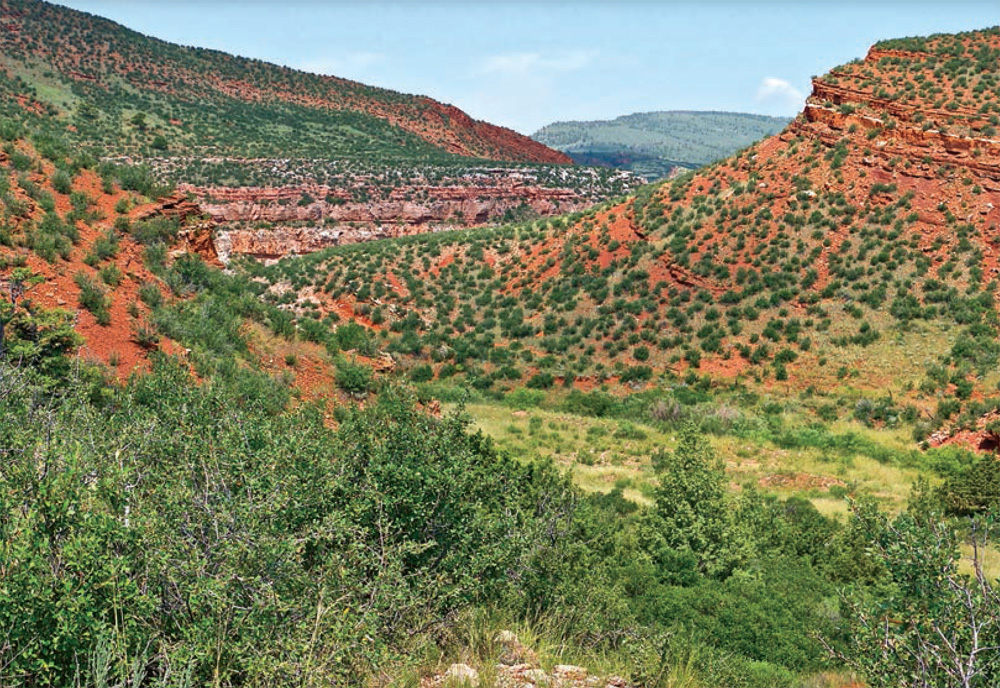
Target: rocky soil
518,667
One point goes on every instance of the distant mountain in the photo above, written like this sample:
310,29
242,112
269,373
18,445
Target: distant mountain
133,94
654,144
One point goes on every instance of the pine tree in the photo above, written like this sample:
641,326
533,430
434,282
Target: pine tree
692,520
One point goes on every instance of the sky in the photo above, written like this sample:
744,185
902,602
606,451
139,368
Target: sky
526,64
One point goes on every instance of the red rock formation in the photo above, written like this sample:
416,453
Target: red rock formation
978,438
978,154
875,54
200,239
468,205
322,216
271,244
197,234
176,206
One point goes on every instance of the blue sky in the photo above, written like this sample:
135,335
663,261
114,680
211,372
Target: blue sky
525,64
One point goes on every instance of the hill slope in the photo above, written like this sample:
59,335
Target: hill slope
131,94
211,122
854,254
654,144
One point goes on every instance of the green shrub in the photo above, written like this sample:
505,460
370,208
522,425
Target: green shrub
150,294
636,374
62,182
422,373
155,230
594,403
105,246
354,378
111,275
524,398
93,298
541,380
145,336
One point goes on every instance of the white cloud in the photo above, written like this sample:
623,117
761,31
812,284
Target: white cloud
344,65
779,94
519,64
516,89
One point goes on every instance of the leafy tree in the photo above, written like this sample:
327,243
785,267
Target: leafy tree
926,625
18,284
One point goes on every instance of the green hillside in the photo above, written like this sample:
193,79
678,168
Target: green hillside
653,144
105,85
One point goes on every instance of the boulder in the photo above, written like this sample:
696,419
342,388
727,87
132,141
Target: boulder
462,674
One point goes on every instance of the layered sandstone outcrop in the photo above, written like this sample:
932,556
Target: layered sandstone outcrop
465,205
197,234
353,205
177,206
271,244
273,221
901,123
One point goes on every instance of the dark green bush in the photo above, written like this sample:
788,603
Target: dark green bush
422,373
541,381
93,298
354,378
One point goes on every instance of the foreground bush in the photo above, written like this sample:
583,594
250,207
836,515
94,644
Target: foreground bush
190,528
